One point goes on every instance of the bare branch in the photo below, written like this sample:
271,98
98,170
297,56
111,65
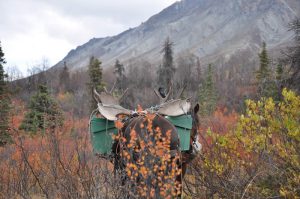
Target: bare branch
25,158
248,185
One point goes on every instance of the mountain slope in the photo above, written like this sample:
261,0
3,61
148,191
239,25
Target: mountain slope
211,29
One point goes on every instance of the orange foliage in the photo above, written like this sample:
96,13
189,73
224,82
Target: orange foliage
17,114
38,160
148,161
222,121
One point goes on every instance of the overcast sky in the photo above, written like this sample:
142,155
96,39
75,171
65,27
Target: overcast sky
32,30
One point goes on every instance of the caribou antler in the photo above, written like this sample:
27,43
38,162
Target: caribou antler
113,87
163,99
108,105
181,91
173,107
123,94
96,94
107,98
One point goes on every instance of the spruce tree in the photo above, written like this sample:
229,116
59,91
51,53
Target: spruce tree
119,71
199,70
266,83
208,93
167,70
263,72
279,82
95,80
293,80
4,103
64,79
279,72
44,112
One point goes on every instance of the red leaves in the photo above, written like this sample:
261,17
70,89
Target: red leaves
118,124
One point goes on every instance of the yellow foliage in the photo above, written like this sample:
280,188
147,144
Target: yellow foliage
261,157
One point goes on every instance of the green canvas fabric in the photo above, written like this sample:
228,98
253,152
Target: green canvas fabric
103,129
183,124
101,135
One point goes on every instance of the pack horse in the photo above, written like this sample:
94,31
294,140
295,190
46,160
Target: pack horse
169,129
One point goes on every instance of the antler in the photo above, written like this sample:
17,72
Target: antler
181,91
113,88
108,105
107,98
97,94
123,94
163,99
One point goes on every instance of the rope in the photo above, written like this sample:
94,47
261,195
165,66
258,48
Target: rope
90,119
92,114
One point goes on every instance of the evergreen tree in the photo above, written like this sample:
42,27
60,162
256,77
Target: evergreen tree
279,72
95,82
119,72
4,103
198,69
208,93
44,112
166,70
64,79
266,84
294,58
279,83
263,72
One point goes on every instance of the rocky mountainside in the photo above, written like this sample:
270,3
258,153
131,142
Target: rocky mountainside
211,29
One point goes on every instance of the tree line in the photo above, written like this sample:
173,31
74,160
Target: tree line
211,86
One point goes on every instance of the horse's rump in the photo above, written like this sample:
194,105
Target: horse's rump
144,125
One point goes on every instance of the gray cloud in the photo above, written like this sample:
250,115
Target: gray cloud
129,11
32,29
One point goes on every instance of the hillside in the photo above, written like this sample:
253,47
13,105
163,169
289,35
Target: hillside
213,30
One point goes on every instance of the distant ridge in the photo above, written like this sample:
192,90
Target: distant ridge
211,29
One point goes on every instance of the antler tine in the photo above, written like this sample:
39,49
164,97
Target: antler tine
161,99
181,91
123,94
169,93
113,88
96,93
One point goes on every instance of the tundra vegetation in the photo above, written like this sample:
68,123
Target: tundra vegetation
249,129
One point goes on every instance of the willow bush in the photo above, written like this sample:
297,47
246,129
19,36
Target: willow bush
259,158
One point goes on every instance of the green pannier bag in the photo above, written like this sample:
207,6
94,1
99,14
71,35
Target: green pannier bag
101,135
183,124
102,130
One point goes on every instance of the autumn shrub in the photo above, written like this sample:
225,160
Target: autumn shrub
221,121
60,164
149,167
259,158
